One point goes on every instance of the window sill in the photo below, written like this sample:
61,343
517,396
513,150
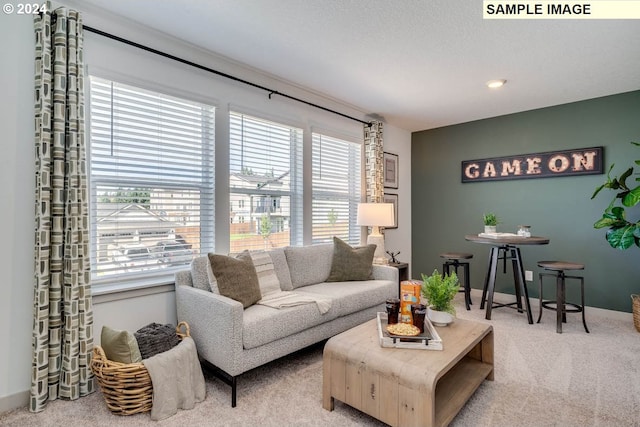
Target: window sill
132,288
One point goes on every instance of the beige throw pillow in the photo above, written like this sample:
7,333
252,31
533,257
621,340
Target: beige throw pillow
236,277
119,346
351,263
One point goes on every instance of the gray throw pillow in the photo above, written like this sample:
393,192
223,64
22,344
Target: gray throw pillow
237,278
351,263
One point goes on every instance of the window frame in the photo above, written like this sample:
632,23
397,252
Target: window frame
160,277
296,192
348,138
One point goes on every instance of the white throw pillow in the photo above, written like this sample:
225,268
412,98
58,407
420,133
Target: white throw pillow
267,277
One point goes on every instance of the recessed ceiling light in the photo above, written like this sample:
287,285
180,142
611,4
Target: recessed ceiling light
494,84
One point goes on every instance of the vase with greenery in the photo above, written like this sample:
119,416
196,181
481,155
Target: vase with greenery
439,291
623,232
490,221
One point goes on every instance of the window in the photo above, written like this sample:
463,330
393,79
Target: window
265,180
336,189
152,180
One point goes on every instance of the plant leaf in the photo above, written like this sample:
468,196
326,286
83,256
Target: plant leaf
621,237
605,222
632,198
595,193
623,178
618,213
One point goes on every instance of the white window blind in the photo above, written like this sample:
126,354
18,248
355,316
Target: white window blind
152,180
265,183
336,189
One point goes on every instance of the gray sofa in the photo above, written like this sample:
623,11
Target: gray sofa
235,340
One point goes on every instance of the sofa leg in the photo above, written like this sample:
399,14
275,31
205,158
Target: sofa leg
233,391
226,378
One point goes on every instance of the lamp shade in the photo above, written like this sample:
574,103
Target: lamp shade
375,214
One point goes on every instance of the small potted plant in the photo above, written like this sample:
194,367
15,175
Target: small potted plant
439,291
490,221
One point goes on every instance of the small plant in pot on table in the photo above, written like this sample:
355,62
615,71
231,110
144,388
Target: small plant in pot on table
490,221
439,291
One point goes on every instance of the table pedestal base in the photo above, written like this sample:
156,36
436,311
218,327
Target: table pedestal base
506,252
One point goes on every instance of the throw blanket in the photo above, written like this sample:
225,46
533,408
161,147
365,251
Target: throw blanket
289,299
177,379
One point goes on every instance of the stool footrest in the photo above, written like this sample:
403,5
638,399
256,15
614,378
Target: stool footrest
573,308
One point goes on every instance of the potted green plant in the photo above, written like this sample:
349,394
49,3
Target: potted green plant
622,232
439,291
490,221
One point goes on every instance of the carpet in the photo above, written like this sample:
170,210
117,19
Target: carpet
541,379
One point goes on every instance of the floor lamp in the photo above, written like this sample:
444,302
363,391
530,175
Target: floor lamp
376,215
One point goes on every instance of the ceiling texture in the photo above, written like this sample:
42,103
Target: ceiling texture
418,64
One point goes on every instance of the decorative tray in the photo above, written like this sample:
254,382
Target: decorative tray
428,340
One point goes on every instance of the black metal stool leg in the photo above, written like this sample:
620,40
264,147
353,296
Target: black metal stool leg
584,322
467,286
559,302
541,297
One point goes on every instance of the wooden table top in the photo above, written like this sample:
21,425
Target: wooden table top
507,240
361,343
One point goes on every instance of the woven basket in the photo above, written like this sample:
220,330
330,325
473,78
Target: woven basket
636,311
126,387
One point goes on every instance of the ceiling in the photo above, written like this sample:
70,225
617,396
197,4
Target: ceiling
418,64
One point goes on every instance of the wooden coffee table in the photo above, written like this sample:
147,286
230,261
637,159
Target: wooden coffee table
407,387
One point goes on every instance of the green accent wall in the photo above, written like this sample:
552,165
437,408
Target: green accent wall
560,208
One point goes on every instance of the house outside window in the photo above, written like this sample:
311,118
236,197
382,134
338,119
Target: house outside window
151,161
265,183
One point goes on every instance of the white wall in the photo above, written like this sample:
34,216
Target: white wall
135,309
17,201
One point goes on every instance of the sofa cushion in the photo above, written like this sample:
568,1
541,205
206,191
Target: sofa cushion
309,264
200,274
350,263
350,297
119,346
282,268
236,277
262,325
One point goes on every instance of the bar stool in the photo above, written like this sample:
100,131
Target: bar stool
560,304
453,259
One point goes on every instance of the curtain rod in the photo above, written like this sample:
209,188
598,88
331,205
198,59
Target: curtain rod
219,73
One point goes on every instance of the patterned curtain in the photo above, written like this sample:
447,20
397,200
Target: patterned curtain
63,319
374,162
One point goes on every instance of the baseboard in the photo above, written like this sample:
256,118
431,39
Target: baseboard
611,314
14,401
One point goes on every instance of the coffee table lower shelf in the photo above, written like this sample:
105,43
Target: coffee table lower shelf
403,386
456,387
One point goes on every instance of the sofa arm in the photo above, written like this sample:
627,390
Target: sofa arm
385,272
215,324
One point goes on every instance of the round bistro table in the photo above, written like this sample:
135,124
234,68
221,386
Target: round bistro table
509,247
